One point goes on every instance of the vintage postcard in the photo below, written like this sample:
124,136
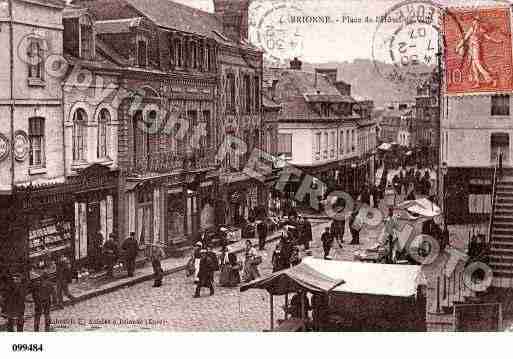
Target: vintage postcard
255,166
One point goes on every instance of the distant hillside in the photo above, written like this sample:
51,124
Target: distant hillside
367,83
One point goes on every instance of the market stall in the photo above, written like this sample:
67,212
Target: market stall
360,296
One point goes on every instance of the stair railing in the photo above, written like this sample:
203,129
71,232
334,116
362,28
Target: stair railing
493,199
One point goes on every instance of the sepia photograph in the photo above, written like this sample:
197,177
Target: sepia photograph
255,166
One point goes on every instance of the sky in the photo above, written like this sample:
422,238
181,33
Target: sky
341,40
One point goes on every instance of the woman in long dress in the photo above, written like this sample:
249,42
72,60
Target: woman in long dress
250,271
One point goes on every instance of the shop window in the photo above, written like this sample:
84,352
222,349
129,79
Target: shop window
230,93
79,135
500,105
285,144
37,141
35,61
103,121
499,144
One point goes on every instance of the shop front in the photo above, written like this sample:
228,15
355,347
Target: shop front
242,196
44,227
95,215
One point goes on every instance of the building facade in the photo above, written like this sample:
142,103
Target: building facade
35,209
427,120
318,130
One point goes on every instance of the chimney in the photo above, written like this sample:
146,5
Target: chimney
331,74
296,64
234,16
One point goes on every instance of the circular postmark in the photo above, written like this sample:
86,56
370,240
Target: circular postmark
275,33
405,45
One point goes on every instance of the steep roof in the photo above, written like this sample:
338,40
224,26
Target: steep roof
296,89
171,15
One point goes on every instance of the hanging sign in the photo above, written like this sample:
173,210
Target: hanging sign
21,146
4,147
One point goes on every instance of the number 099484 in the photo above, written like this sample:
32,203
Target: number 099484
27,347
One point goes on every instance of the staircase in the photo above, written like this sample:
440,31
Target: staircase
501,233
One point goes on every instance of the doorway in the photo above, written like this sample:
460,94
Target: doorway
499,143
93,227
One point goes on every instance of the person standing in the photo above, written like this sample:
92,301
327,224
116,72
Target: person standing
355,226
110,252
42,293
64,276
327,242
307,228
95,257
279,261
130,249
262,234
158,274
14,303
251,262
391,226
205,274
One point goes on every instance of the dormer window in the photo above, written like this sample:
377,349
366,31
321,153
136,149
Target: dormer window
142,52
86,37
325,109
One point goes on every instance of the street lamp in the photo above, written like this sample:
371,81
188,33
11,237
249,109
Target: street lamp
444,170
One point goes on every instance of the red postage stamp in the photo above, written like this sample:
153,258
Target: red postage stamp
478,54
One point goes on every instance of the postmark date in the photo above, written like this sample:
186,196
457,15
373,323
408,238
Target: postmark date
27,347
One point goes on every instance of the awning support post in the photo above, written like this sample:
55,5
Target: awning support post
272,312
286,304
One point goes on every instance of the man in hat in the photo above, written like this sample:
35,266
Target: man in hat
262,234
64,276
205,274
110,252
42,293
130,249
14,302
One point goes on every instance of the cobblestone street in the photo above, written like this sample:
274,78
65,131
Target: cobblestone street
172,307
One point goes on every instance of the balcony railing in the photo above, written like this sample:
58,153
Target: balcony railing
167,161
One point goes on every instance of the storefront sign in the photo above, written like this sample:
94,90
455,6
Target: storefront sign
21,146
4,147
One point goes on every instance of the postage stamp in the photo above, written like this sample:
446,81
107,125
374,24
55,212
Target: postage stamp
478,53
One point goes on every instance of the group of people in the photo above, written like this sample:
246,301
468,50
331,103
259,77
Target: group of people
298,232
45,291
412,182
205,262
301,306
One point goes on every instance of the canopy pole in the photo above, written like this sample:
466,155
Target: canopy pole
286,304
272,312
